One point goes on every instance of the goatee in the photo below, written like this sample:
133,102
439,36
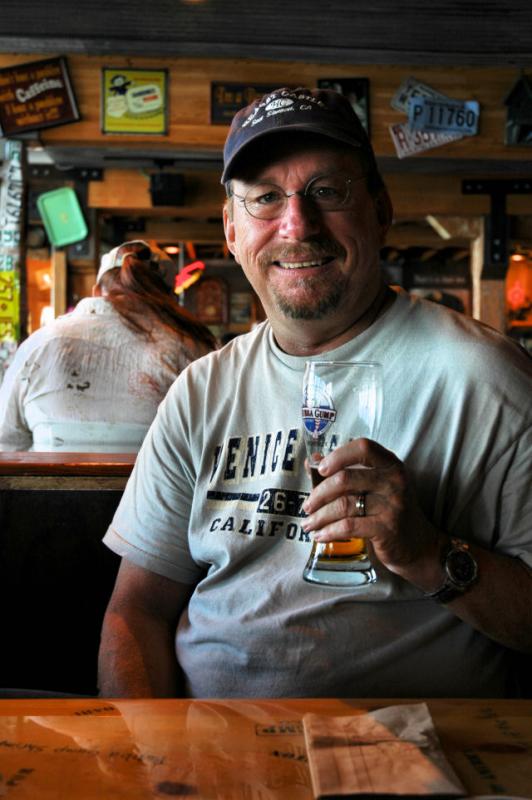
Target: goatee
324,295
314,308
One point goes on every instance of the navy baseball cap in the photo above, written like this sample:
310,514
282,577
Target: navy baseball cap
320,111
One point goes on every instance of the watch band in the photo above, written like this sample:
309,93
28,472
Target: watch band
461,572
446,593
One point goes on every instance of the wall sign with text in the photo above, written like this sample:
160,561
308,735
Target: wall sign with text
9,305
36,95
519,112
135,101
212,301
11,235
228,98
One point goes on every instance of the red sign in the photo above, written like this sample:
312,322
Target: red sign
36,95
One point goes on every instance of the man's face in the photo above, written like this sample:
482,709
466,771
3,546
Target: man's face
309,264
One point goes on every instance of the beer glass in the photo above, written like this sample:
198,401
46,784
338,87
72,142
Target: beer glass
342,400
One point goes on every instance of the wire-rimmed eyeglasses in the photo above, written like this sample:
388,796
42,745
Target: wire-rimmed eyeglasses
325,192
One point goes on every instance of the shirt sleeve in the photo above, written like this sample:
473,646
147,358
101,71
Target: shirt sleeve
500,515
14,430
516,500
150,527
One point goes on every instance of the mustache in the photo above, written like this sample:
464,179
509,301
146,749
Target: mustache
305,251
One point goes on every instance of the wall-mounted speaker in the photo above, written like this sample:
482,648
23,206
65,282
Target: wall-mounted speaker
167,189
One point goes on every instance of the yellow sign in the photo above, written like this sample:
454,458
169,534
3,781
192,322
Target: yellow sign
9,305
134,101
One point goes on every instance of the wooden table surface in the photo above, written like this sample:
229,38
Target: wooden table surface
242,749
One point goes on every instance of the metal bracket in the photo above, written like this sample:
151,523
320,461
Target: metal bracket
52,173
497,224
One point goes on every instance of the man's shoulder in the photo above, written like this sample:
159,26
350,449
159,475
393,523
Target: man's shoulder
452,334
217,373
236,352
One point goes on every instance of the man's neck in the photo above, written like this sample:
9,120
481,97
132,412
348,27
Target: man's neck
313,339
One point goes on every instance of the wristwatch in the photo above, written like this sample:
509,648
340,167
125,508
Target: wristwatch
461,572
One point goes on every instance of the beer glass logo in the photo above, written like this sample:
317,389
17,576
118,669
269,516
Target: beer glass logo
318,409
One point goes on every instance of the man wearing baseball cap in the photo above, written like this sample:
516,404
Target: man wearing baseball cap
217,520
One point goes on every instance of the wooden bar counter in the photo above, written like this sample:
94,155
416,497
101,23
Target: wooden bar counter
231,749
29,470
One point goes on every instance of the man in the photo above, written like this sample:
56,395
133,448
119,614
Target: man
93,379
214,524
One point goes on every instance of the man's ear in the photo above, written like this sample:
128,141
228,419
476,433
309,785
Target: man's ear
229,229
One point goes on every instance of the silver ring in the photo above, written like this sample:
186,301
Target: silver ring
360,505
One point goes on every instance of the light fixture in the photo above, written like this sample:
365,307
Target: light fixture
188,275
518,287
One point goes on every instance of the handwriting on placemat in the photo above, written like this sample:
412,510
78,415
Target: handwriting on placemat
289,728
66,750
86,712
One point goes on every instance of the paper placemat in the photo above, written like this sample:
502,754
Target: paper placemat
391,751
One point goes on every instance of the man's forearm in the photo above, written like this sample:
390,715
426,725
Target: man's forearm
499,604
137,657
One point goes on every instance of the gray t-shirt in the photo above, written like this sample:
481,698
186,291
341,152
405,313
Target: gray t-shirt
215,500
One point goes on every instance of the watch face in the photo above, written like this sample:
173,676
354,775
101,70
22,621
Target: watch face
461,567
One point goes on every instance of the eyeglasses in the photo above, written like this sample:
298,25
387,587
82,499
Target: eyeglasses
326,193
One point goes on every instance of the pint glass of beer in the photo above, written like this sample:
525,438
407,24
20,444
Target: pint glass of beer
342,400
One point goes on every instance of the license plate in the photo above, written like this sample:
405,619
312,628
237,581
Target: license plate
408,142
425,114
411,88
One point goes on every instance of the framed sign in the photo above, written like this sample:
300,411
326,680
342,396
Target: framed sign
228,98
519,113
36,95
135,101
357,92
241,308
211,301
9,305
447,283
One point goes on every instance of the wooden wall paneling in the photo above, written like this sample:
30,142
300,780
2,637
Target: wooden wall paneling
81,279
190,128
128,190
178,230
189,99
492,304
413,196
120,188
59,282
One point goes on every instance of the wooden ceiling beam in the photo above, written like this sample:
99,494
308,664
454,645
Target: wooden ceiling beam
181,231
